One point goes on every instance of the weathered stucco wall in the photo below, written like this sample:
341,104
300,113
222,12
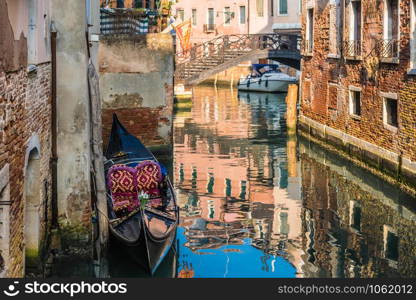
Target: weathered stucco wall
136,82
74,155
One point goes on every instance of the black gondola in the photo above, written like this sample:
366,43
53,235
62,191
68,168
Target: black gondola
145,227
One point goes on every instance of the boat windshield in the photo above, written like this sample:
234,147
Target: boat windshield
259,69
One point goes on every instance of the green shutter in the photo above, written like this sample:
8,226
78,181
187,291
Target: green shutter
283,7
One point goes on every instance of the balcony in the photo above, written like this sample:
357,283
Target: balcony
389,51
307,47
209,28
352,49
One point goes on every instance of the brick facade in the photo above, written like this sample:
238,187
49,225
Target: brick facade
328,78
24,118
142,122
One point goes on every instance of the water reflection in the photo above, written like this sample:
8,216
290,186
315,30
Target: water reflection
240,213
254,206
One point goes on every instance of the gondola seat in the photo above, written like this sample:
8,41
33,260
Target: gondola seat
149,177
123,187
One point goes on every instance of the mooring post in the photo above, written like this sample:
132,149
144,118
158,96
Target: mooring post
291,112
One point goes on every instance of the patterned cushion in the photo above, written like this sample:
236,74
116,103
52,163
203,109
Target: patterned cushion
123,187
149,176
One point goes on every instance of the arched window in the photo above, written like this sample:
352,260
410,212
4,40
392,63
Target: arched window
32,212
4,220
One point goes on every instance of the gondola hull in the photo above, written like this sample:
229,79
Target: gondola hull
147,234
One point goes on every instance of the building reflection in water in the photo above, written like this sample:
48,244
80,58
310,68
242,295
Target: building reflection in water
254,206
239,210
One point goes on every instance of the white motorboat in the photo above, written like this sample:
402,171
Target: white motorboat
266,78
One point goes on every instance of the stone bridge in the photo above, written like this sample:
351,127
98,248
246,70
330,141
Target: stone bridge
206,59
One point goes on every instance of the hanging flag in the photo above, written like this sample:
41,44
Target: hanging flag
183,32
164,4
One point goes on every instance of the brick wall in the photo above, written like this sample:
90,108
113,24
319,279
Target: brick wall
24,117
326,80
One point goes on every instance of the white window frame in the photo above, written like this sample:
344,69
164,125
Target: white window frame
194,17
310,29
386,230
413,36
352,90
351,34
386,28
213,10
245,14
386,97
178,12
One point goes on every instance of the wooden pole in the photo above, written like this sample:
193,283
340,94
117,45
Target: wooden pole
98,171
291,120
291,112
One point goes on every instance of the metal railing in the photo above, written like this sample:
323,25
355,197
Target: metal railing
307,46
389,48
352,48
208,28
127,21
220,49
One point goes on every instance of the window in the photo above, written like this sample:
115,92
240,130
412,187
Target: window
260,8
120,3
355,102
227,187
413,34
243,14
88,12
243,191
353,46
227,16
210,184
391,244
32,33
355,215
309,31
4,220
391,29
180,14
390,112
211,209
282,7
211,17
284,225
334,27
194,21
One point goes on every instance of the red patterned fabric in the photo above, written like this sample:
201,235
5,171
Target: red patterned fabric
149,177
123,187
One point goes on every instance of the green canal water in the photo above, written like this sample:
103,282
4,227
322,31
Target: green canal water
255,203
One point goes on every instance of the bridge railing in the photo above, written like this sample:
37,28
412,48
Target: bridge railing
219,46
218,50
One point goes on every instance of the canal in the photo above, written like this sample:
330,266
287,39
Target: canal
255,203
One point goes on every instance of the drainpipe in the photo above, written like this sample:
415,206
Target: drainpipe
54,127
248,14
